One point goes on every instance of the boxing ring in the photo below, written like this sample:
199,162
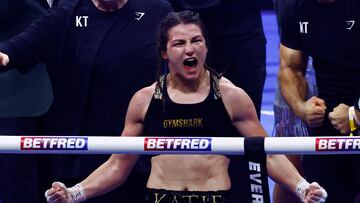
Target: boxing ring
254,149
174,145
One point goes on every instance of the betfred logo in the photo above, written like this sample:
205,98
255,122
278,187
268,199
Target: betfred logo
177,144
54,143
337,144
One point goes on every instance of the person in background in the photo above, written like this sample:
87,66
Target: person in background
98,53
188,90
310,28
287,124
23,99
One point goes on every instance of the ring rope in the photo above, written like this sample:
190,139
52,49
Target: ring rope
173,145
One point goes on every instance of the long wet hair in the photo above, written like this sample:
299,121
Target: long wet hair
171,20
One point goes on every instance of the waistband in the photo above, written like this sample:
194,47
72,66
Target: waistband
170,196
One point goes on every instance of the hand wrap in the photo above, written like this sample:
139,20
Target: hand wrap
303,187
76,193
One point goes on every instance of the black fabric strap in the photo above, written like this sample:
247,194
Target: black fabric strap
257,172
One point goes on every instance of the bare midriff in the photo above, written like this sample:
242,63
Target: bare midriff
189,173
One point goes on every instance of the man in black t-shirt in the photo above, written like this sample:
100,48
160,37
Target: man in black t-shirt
328,31
98,53
23,98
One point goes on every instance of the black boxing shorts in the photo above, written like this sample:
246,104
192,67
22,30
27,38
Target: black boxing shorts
170,196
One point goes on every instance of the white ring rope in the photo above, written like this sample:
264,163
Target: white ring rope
173,145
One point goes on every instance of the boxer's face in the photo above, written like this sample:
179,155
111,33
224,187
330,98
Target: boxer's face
186,51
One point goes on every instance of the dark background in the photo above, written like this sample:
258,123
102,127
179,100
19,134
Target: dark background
266,4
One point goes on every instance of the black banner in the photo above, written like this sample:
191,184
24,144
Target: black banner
256,163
